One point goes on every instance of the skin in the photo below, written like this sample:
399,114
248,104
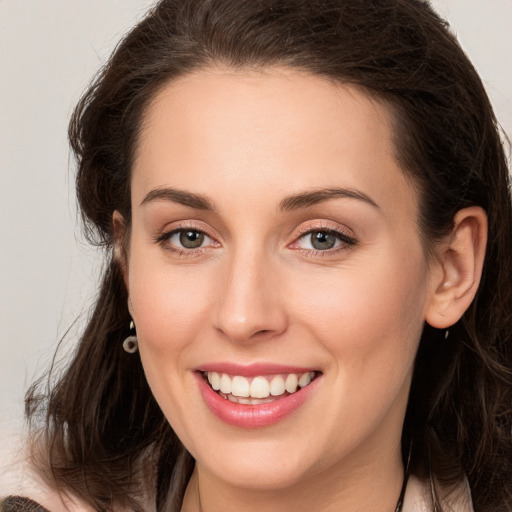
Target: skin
257,290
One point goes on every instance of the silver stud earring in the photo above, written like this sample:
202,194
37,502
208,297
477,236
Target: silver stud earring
131,343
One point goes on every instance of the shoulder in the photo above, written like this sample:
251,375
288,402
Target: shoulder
20,504
26,491
418,497
32,494
42,500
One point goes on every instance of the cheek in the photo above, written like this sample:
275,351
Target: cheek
166,301
370,324
169,317
370,320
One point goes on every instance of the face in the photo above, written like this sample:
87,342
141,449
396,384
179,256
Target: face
274,239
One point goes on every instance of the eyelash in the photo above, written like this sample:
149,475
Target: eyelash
163,240
345,239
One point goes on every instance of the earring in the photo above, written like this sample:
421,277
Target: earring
446,334
131,343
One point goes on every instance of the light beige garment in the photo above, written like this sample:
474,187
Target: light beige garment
418,498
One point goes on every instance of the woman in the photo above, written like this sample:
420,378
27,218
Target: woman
307,304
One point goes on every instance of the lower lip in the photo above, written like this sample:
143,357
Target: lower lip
254,416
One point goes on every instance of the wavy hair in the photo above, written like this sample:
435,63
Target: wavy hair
102,425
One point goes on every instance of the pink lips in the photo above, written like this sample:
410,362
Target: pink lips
253,416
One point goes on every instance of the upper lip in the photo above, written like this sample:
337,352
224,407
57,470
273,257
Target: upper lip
252,370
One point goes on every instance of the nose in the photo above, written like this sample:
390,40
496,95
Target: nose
250,306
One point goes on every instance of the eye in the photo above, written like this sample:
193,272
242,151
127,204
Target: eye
323,240
189,238
186,239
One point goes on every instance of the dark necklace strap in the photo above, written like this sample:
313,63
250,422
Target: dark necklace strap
400,502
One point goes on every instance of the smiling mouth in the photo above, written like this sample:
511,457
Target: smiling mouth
259,389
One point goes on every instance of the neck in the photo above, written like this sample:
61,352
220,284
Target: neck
374,486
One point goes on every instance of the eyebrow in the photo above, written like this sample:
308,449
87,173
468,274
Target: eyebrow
292,202
310,198
190,199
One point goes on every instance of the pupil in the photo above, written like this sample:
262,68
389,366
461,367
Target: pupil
321,240
191,239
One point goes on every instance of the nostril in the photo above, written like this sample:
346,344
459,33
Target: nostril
263,334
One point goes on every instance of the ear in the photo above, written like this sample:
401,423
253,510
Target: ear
456,268
120,244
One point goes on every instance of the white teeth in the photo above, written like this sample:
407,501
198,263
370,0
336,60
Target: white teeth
225,384
243,390
291,383
214,380
247,401
260,388
305,379
240,386
277,387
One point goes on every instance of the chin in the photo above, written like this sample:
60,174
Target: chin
272,475
262,464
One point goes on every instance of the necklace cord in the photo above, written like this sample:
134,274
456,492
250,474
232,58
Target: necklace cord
400,502
401,497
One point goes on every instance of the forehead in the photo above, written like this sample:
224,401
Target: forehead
274,130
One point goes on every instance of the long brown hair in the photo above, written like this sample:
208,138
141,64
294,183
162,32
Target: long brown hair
103,426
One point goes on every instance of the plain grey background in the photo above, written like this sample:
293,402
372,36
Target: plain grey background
49,50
